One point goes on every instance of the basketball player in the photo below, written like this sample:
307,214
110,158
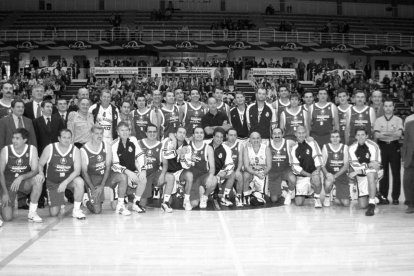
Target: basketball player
306,165
157,167
202,167
142,117
281,170
170,119
238,116
178,166
179,97
361,116
323,118
335,168
365,160
96,158
292,117
129,159
224,167
257,161
106,115
192,112
236,147
5,102
344,114
18,168
282,103
221,106
63,168
308,100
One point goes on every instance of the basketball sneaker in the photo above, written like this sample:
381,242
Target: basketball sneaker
239,201
288,197
34,217
156,193
225,201
77,213
187,205
259,196
138,208
371,210
90,206
327,201
318,203
203,202
165,206
121,209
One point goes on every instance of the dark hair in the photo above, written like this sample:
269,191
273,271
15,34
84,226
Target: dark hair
335,131
125,102
341,90
140,95
389,100
6,83
360,129
295,95
232,128
199,128
219,129
238,92
44,103
65,130
14,102
23,132
122,124
150,125
322,89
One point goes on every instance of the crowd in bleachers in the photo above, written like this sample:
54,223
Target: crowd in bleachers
233,25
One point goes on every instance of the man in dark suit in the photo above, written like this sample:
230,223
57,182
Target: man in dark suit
47,127
32,109
62,107
238,116
15,120
408,159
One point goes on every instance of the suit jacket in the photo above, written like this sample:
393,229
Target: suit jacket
7,128
29,112
408,146
45,135
65,121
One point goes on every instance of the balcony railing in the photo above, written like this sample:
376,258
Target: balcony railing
253,36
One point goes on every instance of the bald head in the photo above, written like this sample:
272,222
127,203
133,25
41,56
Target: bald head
300,134
212,104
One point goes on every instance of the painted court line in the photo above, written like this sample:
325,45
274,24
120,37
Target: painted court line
230,244
27,244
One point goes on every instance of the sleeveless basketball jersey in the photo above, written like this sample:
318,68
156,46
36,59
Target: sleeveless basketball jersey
280,108
257,160
104,119
192,117
322,120
96,160
342,121
170,120
335,160
292,122
235,150
141,121
5,110
199,159
59,165
223,107
280,157
17,164
360,119
152,155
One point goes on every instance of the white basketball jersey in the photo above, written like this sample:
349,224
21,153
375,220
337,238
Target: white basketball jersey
257,160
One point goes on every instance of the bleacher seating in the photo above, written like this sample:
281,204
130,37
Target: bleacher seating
394,25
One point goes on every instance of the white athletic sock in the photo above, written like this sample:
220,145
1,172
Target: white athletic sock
316,195
226,191
76,205
137,198
167,198
186,197
371,201
121,201
32,207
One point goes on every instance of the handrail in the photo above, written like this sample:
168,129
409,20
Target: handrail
261,35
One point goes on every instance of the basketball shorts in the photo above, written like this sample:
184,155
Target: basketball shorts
275,181
23,189
362,182
178,180
152,181
342,187
200,181
257,184
55,198
97,180
303,186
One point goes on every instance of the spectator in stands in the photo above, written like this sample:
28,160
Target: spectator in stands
262,63
301,70
270,10
34,63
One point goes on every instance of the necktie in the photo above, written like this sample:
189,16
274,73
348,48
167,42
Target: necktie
20,122
63,117
48,123
38,112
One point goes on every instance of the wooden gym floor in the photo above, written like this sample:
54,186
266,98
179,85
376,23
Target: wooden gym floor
269,241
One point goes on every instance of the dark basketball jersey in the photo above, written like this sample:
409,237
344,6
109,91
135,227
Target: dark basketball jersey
96,160
235,150
280,157
292,122
223,107
141,121
170,120
280,108
342,114
199,159
4,110
192,117
335,159
59,165
17,164
152,155
322,120
360,119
